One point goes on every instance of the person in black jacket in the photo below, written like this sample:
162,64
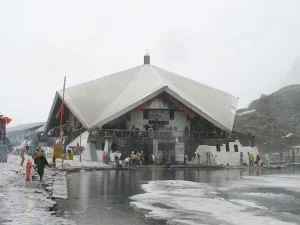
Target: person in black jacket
41,162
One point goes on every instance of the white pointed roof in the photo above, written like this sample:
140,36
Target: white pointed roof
99,101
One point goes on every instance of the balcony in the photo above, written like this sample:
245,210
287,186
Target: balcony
157,134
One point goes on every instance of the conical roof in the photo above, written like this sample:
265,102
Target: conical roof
99,101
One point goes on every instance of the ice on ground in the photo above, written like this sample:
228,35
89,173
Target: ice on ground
24,202
198,203
76,164
288,182
59,189
247,203
9,170
267,195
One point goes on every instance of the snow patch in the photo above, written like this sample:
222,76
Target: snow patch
246,112
194,203
288,182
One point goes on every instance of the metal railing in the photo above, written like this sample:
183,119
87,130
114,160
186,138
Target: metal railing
202,136
97,133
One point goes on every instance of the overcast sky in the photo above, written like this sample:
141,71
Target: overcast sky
242,47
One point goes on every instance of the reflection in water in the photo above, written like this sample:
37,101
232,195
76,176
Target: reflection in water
102,197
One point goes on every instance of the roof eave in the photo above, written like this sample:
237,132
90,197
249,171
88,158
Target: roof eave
51,111
198,111
74,112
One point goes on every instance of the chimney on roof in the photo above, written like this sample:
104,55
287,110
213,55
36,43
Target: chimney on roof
147,58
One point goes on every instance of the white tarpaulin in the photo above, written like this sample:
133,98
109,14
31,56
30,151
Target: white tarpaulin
99,101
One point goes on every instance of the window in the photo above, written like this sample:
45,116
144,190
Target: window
227,147
172,115
218,146
298,151
145,114
188,118
236,148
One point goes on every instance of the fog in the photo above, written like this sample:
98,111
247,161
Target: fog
245,48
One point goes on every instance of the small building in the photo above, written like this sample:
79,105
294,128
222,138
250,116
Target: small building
296,150
147,109
17,134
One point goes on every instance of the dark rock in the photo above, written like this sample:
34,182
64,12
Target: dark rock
275,116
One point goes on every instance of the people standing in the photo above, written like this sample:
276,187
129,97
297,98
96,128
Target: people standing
208,158
35,155
127,162
138,158
257,159
142,158
294,156
117,160
249,157
198,157
132,158
108,159
186,131
251,160
152,159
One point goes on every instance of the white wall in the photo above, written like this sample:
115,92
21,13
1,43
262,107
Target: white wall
223,158
180,120
137,120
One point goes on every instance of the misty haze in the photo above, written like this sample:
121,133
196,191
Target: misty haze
150,112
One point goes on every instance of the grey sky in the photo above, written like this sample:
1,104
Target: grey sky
242,47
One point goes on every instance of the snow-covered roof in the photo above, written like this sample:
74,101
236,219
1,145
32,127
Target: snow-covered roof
24,127
246,112
296,147
99,101
41,129
288,135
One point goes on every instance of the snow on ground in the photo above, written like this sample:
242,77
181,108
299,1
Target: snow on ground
184,202
59,189
8,171
288,182
84,163
75,163
24,202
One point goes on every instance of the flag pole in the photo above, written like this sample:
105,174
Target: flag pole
61,121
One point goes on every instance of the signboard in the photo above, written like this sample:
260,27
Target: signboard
57,150
179,152
159,115
77,150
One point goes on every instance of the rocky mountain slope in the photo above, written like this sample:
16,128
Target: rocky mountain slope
274,119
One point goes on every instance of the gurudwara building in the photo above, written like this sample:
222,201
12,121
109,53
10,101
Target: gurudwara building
149,109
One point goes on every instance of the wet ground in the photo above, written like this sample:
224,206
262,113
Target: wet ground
183,196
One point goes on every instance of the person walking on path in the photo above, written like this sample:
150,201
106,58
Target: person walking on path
41,162
22,154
